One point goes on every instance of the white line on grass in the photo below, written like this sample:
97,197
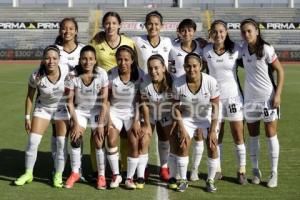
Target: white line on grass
162,192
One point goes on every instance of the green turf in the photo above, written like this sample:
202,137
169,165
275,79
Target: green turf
13,81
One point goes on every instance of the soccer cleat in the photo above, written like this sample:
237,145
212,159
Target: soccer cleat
57,180
183,185
101,183
172,183
242,179
73,178
218,176
194,175
164,173
256,179
25,178
115,182
272,182
210,186
140,183
130,184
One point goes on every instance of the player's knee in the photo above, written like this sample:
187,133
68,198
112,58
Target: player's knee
111,151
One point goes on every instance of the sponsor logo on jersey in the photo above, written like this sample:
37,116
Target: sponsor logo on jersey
71,58
249,60
209,56
155,52
165,49
179,54
89,91
55,89
143,47
219,60
102,49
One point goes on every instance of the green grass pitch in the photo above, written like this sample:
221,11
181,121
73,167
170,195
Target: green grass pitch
13,140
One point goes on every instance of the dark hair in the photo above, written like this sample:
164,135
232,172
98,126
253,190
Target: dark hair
167,81
111,14
78,68
59,39
134,68
259,45
228,43
189,23
42,68
154,13
193,55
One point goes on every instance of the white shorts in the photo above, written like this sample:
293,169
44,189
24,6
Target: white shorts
255,111
231,109
166,120
87,117
191,126
59,113
119,120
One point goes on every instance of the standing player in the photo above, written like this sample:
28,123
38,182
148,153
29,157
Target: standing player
87,102
156,99
148,45
221,57
186,31
124,83
106,44
69,49
50,104
195,107
262,96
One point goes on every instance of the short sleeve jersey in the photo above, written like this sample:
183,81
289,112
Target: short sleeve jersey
145,50
224,69
123,95
197,105
160,104
106,55
87,97
70,59
259,83
49,94
177,55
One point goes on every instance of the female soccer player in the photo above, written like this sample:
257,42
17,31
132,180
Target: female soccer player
262,96
156,99
147,45
87,102
186,44
69,48
222,60
124,84
106,44
50,104
196,104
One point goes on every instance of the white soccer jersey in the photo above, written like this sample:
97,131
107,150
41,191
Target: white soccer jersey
49,95
87,97
259,83
177,55
224,69
145,50
160,104
122,99
70,59
196,106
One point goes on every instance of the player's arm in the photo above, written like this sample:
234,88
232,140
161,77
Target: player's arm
28,107
214,122
103,112
276,65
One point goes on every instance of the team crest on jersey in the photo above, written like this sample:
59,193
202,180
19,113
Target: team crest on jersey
143,47
98,86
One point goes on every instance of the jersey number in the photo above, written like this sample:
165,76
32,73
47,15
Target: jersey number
232,108
266,113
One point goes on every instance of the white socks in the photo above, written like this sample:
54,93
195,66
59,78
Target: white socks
131,166
240,151
212,167
53,149
143,160
254,151
182,164
61,156
172,163
114,163
273,146
76,159
163,150
197,154
220,152
32,149
100,159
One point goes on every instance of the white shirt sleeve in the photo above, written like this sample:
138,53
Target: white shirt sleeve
270,54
